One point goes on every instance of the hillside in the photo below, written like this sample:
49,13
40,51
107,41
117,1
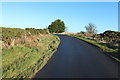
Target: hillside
24,52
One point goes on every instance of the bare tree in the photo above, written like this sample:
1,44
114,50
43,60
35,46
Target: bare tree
91,28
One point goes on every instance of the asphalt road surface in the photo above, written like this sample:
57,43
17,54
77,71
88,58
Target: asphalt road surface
78,59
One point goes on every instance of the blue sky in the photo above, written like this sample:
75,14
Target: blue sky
60,0
76,15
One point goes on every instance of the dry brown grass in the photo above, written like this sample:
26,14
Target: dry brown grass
25,40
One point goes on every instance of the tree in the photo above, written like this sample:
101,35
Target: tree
91,28
57,26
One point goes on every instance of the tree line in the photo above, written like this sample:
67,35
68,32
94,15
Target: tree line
58,26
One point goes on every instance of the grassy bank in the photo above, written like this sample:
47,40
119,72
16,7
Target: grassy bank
24,55
111,51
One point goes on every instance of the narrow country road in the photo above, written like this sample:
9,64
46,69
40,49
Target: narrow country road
78,59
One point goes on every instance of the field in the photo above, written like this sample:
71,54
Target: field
109,45
24,52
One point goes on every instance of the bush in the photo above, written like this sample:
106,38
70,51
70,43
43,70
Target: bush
112,35
57,26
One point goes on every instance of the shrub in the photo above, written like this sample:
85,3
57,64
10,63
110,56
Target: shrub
57,26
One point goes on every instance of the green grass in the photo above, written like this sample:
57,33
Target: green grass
24,62
113,53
